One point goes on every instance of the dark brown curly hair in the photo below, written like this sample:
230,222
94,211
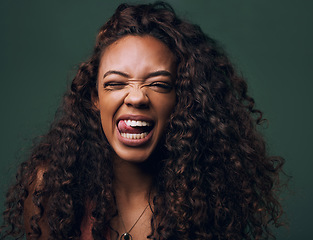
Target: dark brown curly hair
215,181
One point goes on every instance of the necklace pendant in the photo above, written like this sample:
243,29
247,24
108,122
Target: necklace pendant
126,236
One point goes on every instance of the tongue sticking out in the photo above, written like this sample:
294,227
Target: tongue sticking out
123,128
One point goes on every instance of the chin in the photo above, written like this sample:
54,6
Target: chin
133,156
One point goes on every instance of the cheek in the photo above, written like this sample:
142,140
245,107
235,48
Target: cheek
110,101
166,105
109,104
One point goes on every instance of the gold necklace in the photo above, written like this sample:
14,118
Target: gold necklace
126,235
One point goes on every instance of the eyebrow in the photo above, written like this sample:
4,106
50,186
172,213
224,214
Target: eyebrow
153,74
116,72
159,73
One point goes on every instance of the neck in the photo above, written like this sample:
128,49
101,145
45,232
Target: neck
132,182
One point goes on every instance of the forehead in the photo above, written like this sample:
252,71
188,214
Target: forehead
137,53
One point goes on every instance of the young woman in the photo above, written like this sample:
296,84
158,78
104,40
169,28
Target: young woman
156,139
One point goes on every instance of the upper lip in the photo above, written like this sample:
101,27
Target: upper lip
135,117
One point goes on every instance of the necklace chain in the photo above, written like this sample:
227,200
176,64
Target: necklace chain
127,233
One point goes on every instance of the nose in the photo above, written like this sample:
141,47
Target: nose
137,98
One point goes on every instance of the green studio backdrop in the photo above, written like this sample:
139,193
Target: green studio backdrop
270,42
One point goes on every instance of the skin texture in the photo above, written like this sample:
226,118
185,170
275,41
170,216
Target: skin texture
138,72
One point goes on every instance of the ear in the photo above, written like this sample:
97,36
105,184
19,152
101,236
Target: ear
95,101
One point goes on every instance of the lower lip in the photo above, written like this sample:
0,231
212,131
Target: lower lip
134,142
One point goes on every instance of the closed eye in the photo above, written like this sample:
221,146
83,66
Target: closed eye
163,87
114,85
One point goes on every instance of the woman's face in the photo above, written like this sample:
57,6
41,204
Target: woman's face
135,94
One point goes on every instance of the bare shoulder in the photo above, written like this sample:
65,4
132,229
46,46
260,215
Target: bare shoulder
34,209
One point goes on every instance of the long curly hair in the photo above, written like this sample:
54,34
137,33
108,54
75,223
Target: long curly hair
215,181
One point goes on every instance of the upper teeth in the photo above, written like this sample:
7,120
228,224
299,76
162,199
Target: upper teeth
133,123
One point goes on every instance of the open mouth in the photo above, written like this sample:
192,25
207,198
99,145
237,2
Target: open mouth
134,129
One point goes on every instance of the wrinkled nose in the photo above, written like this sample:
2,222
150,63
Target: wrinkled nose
137,98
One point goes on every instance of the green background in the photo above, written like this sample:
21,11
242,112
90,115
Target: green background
269,41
